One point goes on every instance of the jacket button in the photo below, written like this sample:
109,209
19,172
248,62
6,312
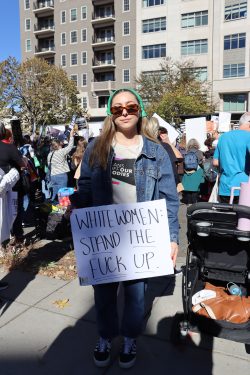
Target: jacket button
141,172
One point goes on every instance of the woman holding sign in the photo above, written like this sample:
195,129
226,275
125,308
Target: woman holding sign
125,145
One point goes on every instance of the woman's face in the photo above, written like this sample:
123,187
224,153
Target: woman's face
125,119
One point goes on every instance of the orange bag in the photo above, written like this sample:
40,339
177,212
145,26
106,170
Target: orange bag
234,309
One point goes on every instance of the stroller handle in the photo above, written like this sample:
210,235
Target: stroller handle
244,210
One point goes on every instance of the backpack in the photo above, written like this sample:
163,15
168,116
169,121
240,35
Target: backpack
191,161
210,171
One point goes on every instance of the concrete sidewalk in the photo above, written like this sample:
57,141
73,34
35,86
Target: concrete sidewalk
37,337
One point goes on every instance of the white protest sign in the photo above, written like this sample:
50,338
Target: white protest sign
121,242
95,128
197,128
224,121
172,133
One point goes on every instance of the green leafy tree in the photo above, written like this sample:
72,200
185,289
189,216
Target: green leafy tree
175,90
40,92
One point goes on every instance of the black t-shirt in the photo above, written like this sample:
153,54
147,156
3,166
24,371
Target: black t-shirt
9,157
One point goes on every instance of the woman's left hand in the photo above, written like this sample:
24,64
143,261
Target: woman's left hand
174,252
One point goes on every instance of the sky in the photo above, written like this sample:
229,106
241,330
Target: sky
9,30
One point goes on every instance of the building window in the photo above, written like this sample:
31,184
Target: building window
126,75
126,5
194,47
73,37
63,39
27,4
194,19
84,79
84,13
126,28
27,24
84,102
200,73
74,78
28,45
73,15
234,102
63,16
152,3
235,11
233,70
126,52
84,35
154,51
63,60
84,57
73,59
235,41
154,24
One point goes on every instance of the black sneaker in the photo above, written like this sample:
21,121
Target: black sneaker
3,285
128,354
102,352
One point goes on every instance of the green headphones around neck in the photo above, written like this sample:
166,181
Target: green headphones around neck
143,112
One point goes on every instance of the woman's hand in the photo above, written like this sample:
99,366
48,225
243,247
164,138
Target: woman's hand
174,252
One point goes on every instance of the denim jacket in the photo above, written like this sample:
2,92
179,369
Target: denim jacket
154,179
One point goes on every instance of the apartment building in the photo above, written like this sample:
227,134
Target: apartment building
105,44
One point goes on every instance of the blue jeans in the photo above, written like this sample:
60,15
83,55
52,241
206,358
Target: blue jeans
132,322
57,182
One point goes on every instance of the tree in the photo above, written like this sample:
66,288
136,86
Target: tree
40,92
175,90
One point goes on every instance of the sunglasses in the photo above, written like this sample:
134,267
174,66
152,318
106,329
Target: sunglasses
132,109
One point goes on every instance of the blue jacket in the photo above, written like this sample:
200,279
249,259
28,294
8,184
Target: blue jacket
154,179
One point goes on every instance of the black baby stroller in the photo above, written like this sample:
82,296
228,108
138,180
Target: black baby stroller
218,253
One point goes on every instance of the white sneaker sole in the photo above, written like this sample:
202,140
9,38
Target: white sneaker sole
127,364
102,363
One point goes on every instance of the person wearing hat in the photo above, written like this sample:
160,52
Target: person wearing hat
125,143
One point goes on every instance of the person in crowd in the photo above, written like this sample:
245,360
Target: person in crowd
232,157
7,181
209,170
77,156
42,150
181,146
173,152
58,164
10,157
153,128
26,149
124,143
193,178
215,136
8,137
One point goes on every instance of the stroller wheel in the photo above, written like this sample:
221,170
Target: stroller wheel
179,329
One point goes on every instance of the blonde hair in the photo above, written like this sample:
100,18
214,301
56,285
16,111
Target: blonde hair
183,141
152,127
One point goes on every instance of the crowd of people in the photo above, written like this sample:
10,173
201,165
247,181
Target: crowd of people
158,170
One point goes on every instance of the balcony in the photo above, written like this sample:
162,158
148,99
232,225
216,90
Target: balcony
100,64
44,31
44,8
107,41
103,86
102,18
45,51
